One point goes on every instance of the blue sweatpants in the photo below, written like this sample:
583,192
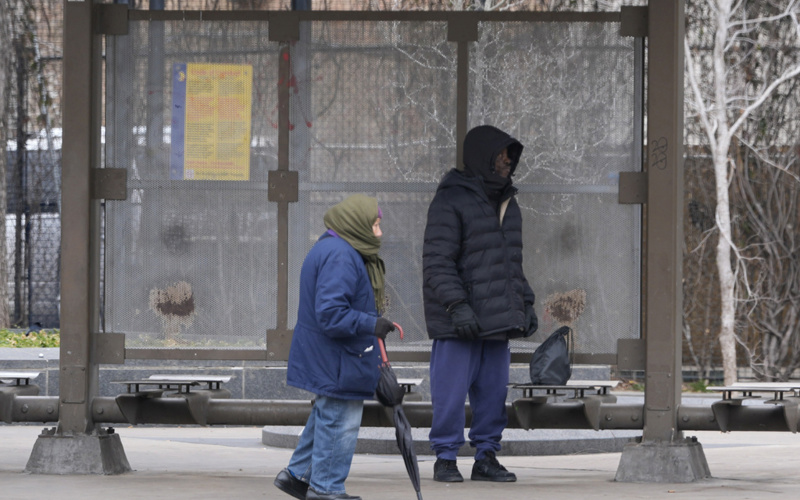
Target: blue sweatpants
478,369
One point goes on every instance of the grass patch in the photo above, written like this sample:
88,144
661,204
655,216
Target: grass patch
697,386
43,338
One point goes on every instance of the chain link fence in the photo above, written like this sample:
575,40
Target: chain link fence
31,133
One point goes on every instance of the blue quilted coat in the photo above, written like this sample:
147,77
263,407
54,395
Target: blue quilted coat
334,352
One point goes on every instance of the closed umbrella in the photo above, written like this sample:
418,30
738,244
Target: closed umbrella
390,394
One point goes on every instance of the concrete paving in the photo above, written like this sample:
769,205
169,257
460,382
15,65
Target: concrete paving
221,463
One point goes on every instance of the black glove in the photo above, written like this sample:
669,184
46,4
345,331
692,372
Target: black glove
382,328
531,320
464,321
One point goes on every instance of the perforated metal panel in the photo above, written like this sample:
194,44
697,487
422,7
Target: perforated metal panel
188,263
381,121
373,109
567,92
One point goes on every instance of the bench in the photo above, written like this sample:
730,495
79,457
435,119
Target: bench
137,399
790,404
408,385
20,386
579,388
778,389
213,382
19,378
180,383
591,403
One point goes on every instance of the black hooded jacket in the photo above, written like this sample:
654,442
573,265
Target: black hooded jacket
471,255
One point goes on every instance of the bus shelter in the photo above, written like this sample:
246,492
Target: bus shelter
201,149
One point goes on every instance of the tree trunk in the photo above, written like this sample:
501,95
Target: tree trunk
5,74
727,334
727,278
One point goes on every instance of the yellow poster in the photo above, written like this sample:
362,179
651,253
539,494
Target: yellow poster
211,121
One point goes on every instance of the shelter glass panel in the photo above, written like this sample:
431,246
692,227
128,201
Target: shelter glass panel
566,91
191,257
377,116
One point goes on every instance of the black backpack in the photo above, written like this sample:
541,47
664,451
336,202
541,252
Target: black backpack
550,364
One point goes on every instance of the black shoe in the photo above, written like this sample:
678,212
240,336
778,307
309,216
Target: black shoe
489,469
313,495
290,485
446,471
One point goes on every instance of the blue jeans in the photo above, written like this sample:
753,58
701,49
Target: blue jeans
325,451
476,369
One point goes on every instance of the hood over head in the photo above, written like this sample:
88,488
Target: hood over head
352,221
482,144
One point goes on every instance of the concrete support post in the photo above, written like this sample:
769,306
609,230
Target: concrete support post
77,445
663,455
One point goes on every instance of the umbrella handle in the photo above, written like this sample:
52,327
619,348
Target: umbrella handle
382,345
384,358
399,329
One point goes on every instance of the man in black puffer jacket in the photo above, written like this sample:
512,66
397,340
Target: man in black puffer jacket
476,299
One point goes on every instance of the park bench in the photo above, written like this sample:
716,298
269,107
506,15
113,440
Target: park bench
19,378
408,385
778,390
578,387
181,383
195,390
734,395
12,384
591,394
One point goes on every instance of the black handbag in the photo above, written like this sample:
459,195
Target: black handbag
550,364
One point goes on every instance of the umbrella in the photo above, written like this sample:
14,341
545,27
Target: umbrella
390,394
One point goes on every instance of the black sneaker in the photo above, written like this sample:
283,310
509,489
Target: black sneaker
489,469
446,471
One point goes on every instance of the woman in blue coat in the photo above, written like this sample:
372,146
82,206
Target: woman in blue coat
334,351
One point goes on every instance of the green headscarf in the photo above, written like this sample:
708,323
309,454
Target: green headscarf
352,220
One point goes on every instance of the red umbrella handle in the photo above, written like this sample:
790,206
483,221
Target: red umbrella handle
382,345
384,358
399,328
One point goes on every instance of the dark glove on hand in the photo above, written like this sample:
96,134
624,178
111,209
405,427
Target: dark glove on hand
382,328
464,321
531,320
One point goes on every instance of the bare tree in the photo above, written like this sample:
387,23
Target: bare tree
723,100
769,215
700,308
29,80
6,77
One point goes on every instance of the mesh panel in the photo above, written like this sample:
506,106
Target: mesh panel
584,242
373,110
565,90
381,121
33,235
188,263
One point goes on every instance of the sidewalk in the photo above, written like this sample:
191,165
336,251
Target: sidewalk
222,463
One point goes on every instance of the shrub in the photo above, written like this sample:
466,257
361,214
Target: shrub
42,338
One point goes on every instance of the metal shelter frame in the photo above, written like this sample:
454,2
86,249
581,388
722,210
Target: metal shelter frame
79,435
